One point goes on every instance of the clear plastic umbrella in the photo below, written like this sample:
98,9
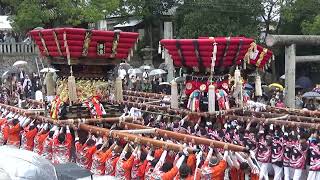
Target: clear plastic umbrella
311,95
4,74
23,164
18,63
46,70
146,67
157,72
125,66
135,71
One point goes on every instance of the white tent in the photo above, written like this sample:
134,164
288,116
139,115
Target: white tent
5,23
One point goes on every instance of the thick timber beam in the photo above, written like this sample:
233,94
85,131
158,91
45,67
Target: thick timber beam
274,40
302,59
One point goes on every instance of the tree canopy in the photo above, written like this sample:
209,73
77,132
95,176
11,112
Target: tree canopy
150,11
28,14
219,18
300,17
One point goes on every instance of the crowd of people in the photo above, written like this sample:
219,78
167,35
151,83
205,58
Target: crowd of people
12,37
282,152
273,151
19,86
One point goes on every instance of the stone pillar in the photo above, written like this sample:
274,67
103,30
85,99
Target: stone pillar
168,34
102,25
290,74
147,55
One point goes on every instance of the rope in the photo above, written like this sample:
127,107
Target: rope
225,52
234,61
183,61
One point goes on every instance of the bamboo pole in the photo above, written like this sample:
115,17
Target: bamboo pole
131,137
144,94
274,121
186,137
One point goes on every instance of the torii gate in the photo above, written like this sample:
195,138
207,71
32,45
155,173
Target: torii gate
290,42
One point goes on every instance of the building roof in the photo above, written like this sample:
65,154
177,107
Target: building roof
129,23
171,11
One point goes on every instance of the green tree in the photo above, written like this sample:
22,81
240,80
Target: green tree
311,27
299,16
302,17
218,18
150,11
28,14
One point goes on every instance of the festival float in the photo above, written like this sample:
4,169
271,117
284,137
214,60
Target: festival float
214,66
85,56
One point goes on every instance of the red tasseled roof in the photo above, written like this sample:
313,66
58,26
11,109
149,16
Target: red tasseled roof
230,51
75,41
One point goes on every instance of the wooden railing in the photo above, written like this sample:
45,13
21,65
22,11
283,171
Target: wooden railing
18,48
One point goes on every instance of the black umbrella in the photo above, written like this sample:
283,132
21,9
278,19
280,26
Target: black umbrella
71,171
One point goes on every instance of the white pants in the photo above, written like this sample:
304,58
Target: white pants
50,98
278,171
39,96
313,175
263,171
287,173
297,174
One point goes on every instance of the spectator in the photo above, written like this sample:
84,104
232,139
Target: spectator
280,104
310,105
298,101
273,101
1,36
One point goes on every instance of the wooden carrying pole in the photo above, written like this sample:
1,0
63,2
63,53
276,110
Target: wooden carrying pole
102,131
17,110
133,138
137,98
116,134
299,112
275,115
34,102
144,94
186,137
182,112
87,121
274,121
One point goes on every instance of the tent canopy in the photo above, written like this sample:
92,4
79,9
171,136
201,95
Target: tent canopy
5,23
